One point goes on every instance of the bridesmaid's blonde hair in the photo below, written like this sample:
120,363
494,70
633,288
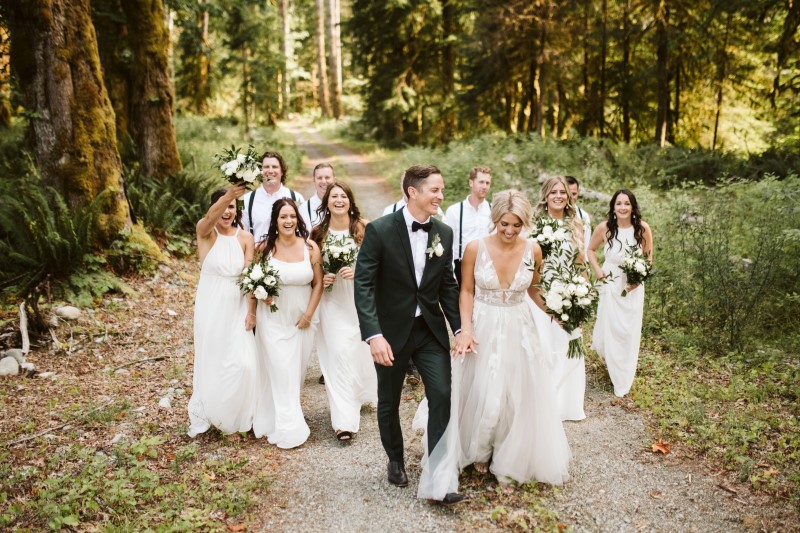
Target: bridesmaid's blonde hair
514,202
570,211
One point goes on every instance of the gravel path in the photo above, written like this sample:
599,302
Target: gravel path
617,484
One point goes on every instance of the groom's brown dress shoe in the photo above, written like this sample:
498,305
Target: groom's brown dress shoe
397,474
452,498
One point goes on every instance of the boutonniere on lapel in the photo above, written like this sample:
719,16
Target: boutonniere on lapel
435,247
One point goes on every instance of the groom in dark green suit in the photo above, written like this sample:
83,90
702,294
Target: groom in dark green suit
404,290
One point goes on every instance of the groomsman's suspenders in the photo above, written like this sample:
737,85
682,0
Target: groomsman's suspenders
310,218
461,226
253,199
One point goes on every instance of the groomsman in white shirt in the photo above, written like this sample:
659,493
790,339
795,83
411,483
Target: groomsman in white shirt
323,176
258,204
574,191
471,218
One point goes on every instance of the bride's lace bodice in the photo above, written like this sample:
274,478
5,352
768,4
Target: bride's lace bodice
487,283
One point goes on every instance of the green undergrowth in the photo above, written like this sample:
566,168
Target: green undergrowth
148,484
740,410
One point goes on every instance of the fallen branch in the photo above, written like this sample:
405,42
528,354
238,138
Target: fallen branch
23,329
131,363
727,489
54,428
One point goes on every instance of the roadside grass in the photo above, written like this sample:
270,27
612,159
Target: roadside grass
741,413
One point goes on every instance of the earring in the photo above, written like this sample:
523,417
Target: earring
615,216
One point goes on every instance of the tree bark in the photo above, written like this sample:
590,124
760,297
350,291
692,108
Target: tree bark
785,45
450,28
55,58
722,72
335,41
151,91
324,98
662,71
601,107
203,65
626,76
5,79
283,7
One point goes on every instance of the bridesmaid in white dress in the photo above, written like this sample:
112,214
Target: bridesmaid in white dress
569,373
346,362
618,328
224,375
508,408
285,338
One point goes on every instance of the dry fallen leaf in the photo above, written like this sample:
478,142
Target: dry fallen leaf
211,477
661,446
237,527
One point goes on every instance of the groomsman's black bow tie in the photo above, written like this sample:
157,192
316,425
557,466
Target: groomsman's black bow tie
426,227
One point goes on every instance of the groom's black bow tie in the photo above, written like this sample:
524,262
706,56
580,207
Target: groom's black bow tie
426,227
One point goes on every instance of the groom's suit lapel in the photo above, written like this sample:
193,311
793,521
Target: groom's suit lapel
402,234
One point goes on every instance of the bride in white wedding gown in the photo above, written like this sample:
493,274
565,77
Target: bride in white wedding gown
508,409
224,374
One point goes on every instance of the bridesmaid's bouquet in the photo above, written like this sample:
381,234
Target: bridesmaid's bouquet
339,251
550,233
569,298
240,166
262,279
636,266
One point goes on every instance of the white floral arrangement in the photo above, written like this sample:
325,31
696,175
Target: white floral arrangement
550,233
636,266
570,298
237,166
435,248
338,251
261,279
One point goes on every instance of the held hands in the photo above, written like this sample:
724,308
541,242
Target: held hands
465,343
381,351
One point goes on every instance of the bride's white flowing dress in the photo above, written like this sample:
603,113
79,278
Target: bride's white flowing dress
284,353
345,360
504,405
224,387
618,328
569,373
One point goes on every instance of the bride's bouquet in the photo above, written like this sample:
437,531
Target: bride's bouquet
262,279
338,251
550,233
239,166
569,298
636,266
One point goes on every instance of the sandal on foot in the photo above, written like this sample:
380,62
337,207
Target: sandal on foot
344,435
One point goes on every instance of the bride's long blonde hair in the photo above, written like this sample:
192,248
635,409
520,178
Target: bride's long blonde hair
514,202
570,211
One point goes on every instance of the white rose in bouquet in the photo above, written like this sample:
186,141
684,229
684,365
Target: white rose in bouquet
260,293
554,301
256,273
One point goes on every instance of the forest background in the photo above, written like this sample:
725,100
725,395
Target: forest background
111,110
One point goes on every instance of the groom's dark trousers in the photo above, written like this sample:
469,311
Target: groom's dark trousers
433,363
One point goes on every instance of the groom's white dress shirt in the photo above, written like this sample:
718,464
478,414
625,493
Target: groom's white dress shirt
419,242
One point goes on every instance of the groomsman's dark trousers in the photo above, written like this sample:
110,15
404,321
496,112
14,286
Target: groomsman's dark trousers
433,363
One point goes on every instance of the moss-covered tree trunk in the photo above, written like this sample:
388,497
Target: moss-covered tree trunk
5,79
115,58
55,59
152,124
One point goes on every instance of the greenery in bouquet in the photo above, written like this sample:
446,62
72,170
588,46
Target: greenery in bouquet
637,267
570,298
338,251
550,233
238,166
262,280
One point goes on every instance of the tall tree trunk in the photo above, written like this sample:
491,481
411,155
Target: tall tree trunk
335,41
585,123
151,91
246,88
676,114
722,72
286,93
785,45
450,27
203,91
601,107
324,99
114,49
662,71
55,58
626,92
541,59
5,79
